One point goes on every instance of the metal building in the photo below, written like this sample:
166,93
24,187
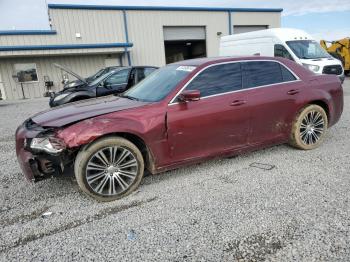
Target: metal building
86,38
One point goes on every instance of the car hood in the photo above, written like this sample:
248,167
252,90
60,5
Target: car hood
77,111
322,61
73,84
82,79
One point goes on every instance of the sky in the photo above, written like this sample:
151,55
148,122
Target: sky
323,19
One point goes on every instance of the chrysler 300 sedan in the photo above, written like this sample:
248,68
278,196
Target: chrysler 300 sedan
181,114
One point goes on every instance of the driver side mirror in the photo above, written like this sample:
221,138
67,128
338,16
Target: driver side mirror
189,95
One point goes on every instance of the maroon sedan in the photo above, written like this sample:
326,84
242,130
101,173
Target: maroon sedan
181,114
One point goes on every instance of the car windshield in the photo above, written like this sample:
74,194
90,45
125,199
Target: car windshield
307,49
100,78
159,84
98,74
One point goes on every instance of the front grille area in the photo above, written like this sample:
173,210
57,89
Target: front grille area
332,70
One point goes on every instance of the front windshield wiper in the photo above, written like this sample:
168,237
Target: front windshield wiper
129,97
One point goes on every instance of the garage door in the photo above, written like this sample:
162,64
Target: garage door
176,33
238,29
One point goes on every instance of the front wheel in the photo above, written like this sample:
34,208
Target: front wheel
309,128
109,168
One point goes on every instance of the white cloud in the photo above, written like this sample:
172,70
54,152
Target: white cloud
331,35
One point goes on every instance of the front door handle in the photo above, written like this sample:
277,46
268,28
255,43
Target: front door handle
293,92
238,103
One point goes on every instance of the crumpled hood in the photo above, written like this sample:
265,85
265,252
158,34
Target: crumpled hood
77,111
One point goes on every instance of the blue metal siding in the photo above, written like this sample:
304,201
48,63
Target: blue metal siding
229,23
126,36
28,32
53,47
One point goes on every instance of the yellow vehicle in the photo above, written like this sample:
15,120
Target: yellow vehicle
339,49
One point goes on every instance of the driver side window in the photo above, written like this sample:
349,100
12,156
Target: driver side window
120,77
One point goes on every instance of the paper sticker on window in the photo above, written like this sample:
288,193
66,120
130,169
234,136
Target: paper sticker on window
186,68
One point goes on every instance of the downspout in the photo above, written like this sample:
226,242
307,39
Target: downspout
126,51
229,23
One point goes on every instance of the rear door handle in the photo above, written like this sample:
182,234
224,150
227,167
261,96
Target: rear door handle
293,92
238,103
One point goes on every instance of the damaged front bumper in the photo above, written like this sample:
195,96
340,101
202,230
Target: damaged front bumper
37,166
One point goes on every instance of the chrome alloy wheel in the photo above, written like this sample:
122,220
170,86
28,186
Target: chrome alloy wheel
312,127
111,170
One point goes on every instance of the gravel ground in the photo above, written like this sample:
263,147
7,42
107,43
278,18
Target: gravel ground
221,210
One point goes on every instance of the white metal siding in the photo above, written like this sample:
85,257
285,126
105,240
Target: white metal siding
95,26
238,29
271,19
83,65
146,32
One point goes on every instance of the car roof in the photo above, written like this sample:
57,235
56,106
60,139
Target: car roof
127,67
214,60
119,68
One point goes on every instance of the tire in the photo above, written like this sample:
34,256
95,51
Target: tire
100,179
303,135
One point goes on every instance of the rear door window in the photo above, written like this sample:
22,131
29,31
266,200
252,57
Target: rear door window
218,79
261,73
286,74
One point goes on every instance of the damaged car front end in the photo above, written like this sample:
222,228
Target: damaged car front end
40,153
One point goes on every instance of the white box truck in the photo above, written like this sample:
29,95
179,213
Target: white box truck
289,43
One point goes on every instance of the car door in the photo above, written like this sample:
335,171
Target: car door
114,83
218,121
272,90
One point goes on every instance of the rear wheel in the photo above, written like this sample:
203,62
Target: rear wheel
109,169
309,128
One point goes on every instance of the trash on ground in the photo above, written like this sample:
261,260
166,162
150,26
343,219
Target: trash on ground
131,235
46,214
262,166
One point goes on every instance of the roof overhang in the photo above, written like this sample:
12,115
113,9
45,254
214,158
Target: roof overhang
161,8
56,47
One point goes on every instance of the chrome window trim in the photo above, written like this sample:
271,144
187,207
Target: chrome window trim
173,100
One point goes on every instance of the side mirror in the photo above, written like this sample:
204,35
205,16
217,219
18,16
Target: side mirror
189,95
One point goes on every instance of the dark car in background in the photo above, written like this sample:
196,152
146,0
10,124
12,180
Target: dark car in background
113,82
182,114
79,82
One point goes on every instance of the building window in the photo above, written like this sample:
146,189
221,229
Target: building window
26,73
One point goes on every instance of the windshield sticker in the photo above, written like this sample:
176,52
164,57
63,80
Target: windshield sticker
186,68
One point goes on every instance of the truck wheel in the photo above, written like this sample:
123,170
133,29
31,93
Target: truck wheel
109,168
309,128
